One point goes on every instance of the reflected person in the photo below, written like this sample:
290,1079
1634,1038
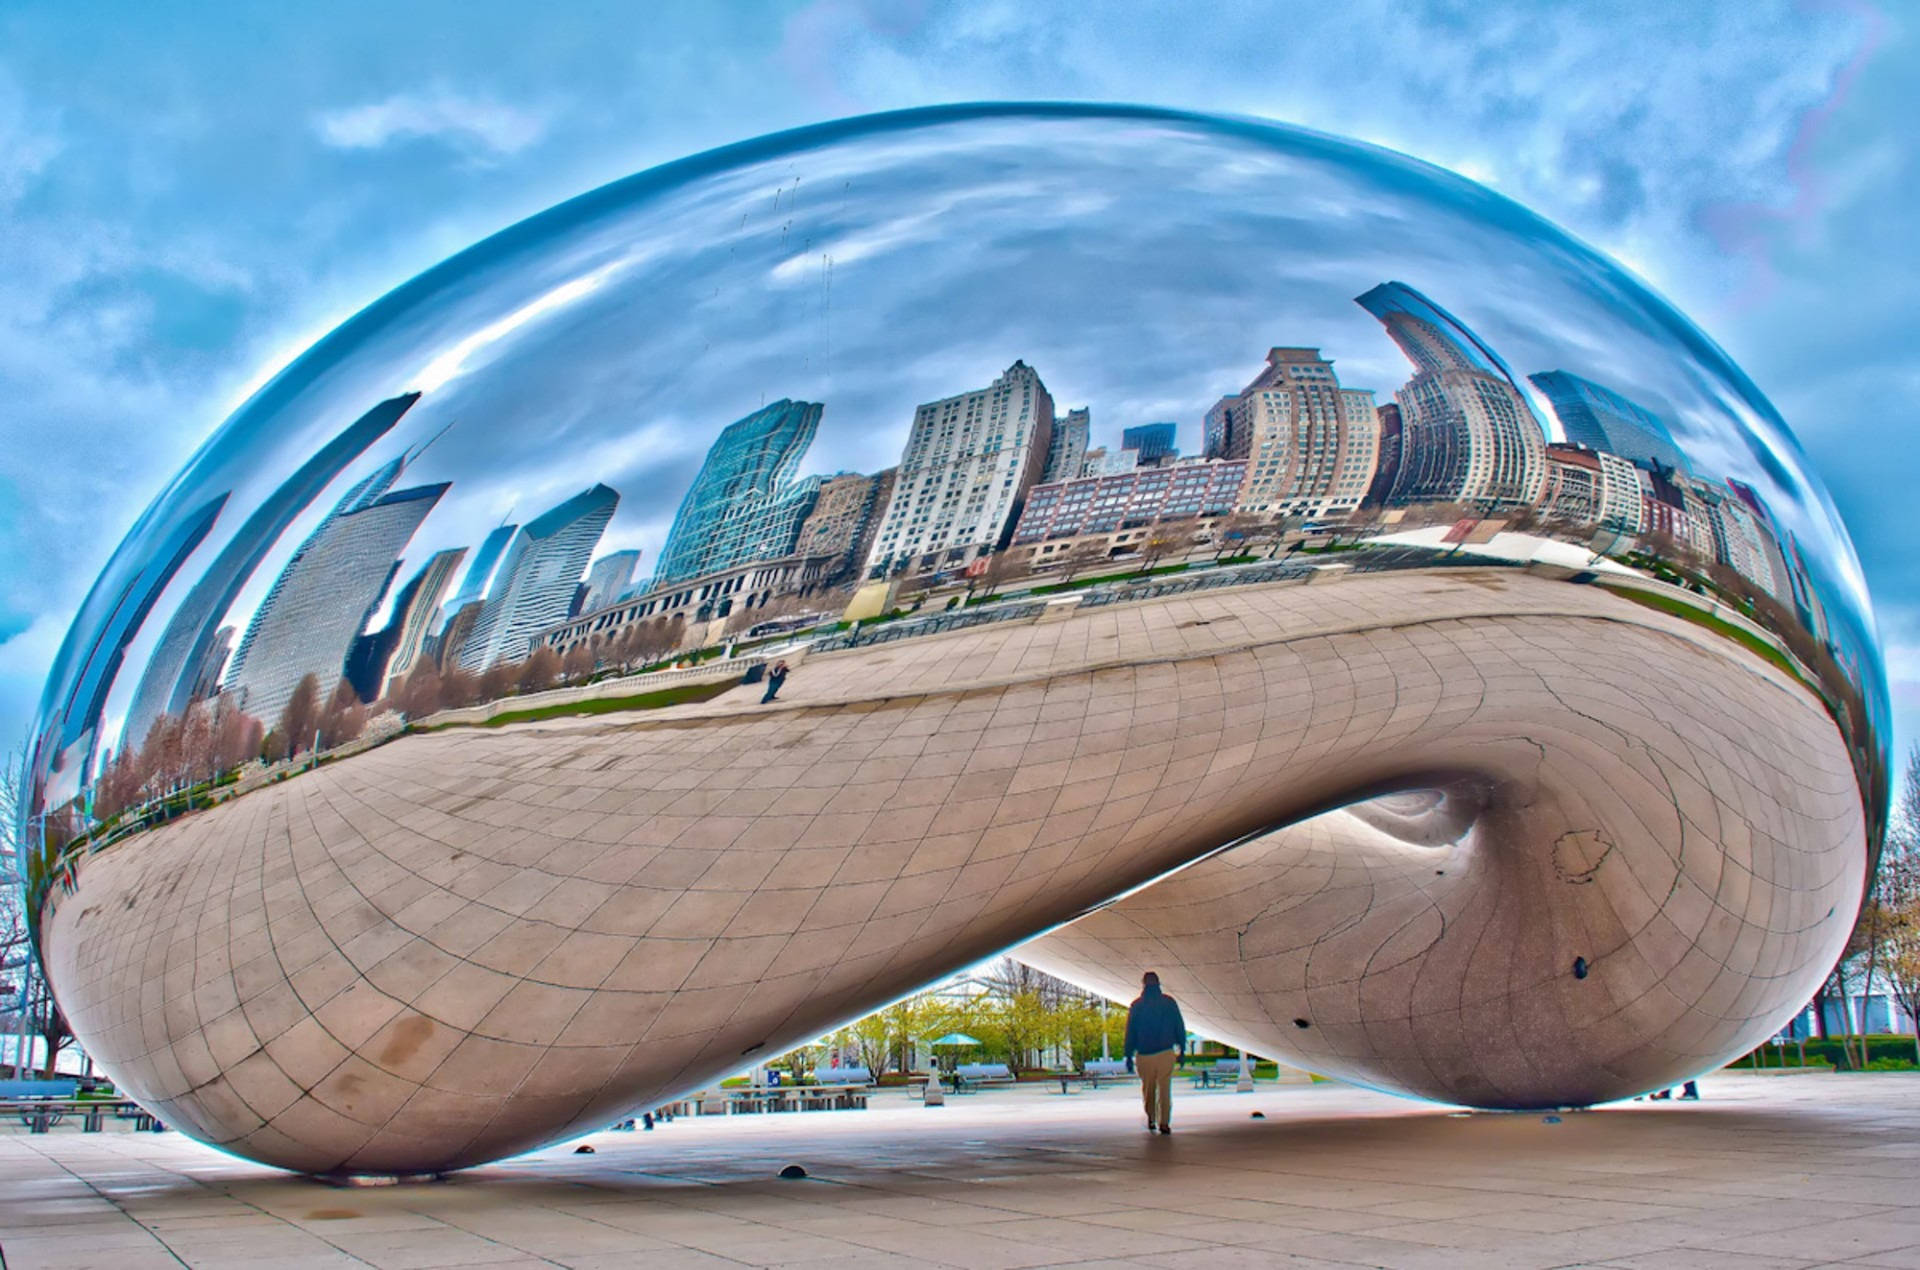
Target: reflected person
776,675
1156,1035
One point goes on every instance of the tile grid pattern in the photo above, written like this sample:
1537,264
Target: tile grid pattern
461,944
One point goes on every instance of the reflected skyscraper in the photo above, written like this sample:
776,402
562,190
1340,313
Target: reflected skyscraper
536,583
609,579
321,601
167,684
391,653
1153,441
123,623
1067,451
1310,445
964,477
473,586
744,503
1467,432
1601,419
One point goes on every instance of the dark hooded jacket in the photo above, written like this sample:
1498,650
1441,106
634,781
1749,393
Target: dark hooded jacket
1154,1024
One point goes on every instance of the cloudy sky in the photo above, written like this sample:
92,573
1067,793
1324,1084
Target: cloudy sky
188,197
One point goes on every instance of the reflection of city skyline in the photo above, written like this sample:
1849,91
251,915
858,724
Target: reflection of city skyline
982,472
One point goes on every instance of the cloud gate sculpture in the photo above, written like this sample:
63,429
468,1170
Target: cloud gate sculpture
742,595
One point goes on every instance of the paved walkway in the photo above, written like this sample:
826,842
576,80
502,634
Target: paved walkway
1767,1173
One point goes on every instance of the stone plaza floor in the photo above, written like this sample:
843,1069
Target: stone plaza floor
1764,1173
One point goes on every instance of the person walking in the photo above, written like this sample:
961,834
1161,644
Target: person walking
1156,1035
776,675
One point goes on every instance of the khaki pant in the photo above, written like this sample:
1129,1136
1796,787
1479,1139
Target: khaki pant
1156,1084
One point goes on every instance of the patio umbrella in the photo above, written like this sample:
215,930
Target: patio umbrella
953,1038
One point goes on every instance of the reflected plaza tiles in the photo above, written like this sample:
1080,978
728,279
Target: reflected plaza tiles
1197,545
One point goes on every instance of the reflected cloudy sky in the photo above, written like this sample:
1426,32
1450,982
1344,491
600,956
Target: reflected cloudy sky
1141,261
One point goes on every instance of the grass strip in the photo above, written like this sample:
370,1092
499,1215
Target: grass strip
681,694
1700,617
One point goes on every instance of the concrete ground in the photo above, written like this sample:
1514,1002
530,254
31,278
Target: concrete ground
1765,1173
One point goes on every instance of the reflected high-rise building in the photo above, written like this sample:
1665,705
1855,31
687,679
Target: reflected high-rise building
1154,442
744,504
130,609
1310,445
473,587
1603,420
167,685
1387,469
608,579
1067,451
391,653
844,519
969,462
536,581
1467,432
1592,487
321,601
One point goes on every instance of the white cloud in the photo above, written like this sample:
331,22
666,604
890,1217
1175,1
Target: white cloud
27,144
441,114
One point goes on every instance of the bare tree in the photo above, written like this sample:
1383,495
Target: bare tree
1080,556
577,666
301,717
1156,548
343,719
540,669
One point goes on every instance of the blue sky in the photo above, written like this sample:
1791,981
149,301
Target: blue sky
188,197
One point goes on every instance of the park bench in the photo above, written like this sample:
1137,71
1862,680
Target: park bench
843,1076
969,1077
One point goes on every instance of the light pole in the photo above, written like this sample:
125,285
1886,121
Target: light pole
1244,1085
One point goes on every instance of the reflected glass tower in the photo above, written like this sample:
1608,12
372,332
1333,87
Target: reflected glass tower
391,653
321,601
1154,441
1601,419
744,504
167,684
130,609
609,579
535,588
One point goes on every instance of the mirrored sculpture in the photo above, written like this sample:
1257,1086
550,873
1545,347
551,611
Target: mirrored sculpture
742,595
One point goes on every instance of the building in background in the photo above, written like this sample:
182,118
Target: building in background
1387,469
964,477
1067,452
391,653
473,587
1310,446
1153,442
1590,487
744,503
1192,490
844,519
80,725
1467,432
206,680
1601,419
535,585
167,686
1739,540
322,600
1101,461
608,580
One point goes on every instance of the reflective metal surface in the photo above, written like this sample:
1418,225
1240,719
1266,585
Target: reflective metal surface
1205,545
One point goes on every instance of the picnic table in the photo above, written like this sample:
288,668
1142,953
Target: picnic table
758,1099
42,1114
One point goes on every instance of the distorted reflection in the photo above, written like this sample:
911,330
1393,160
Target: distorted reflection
879,381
